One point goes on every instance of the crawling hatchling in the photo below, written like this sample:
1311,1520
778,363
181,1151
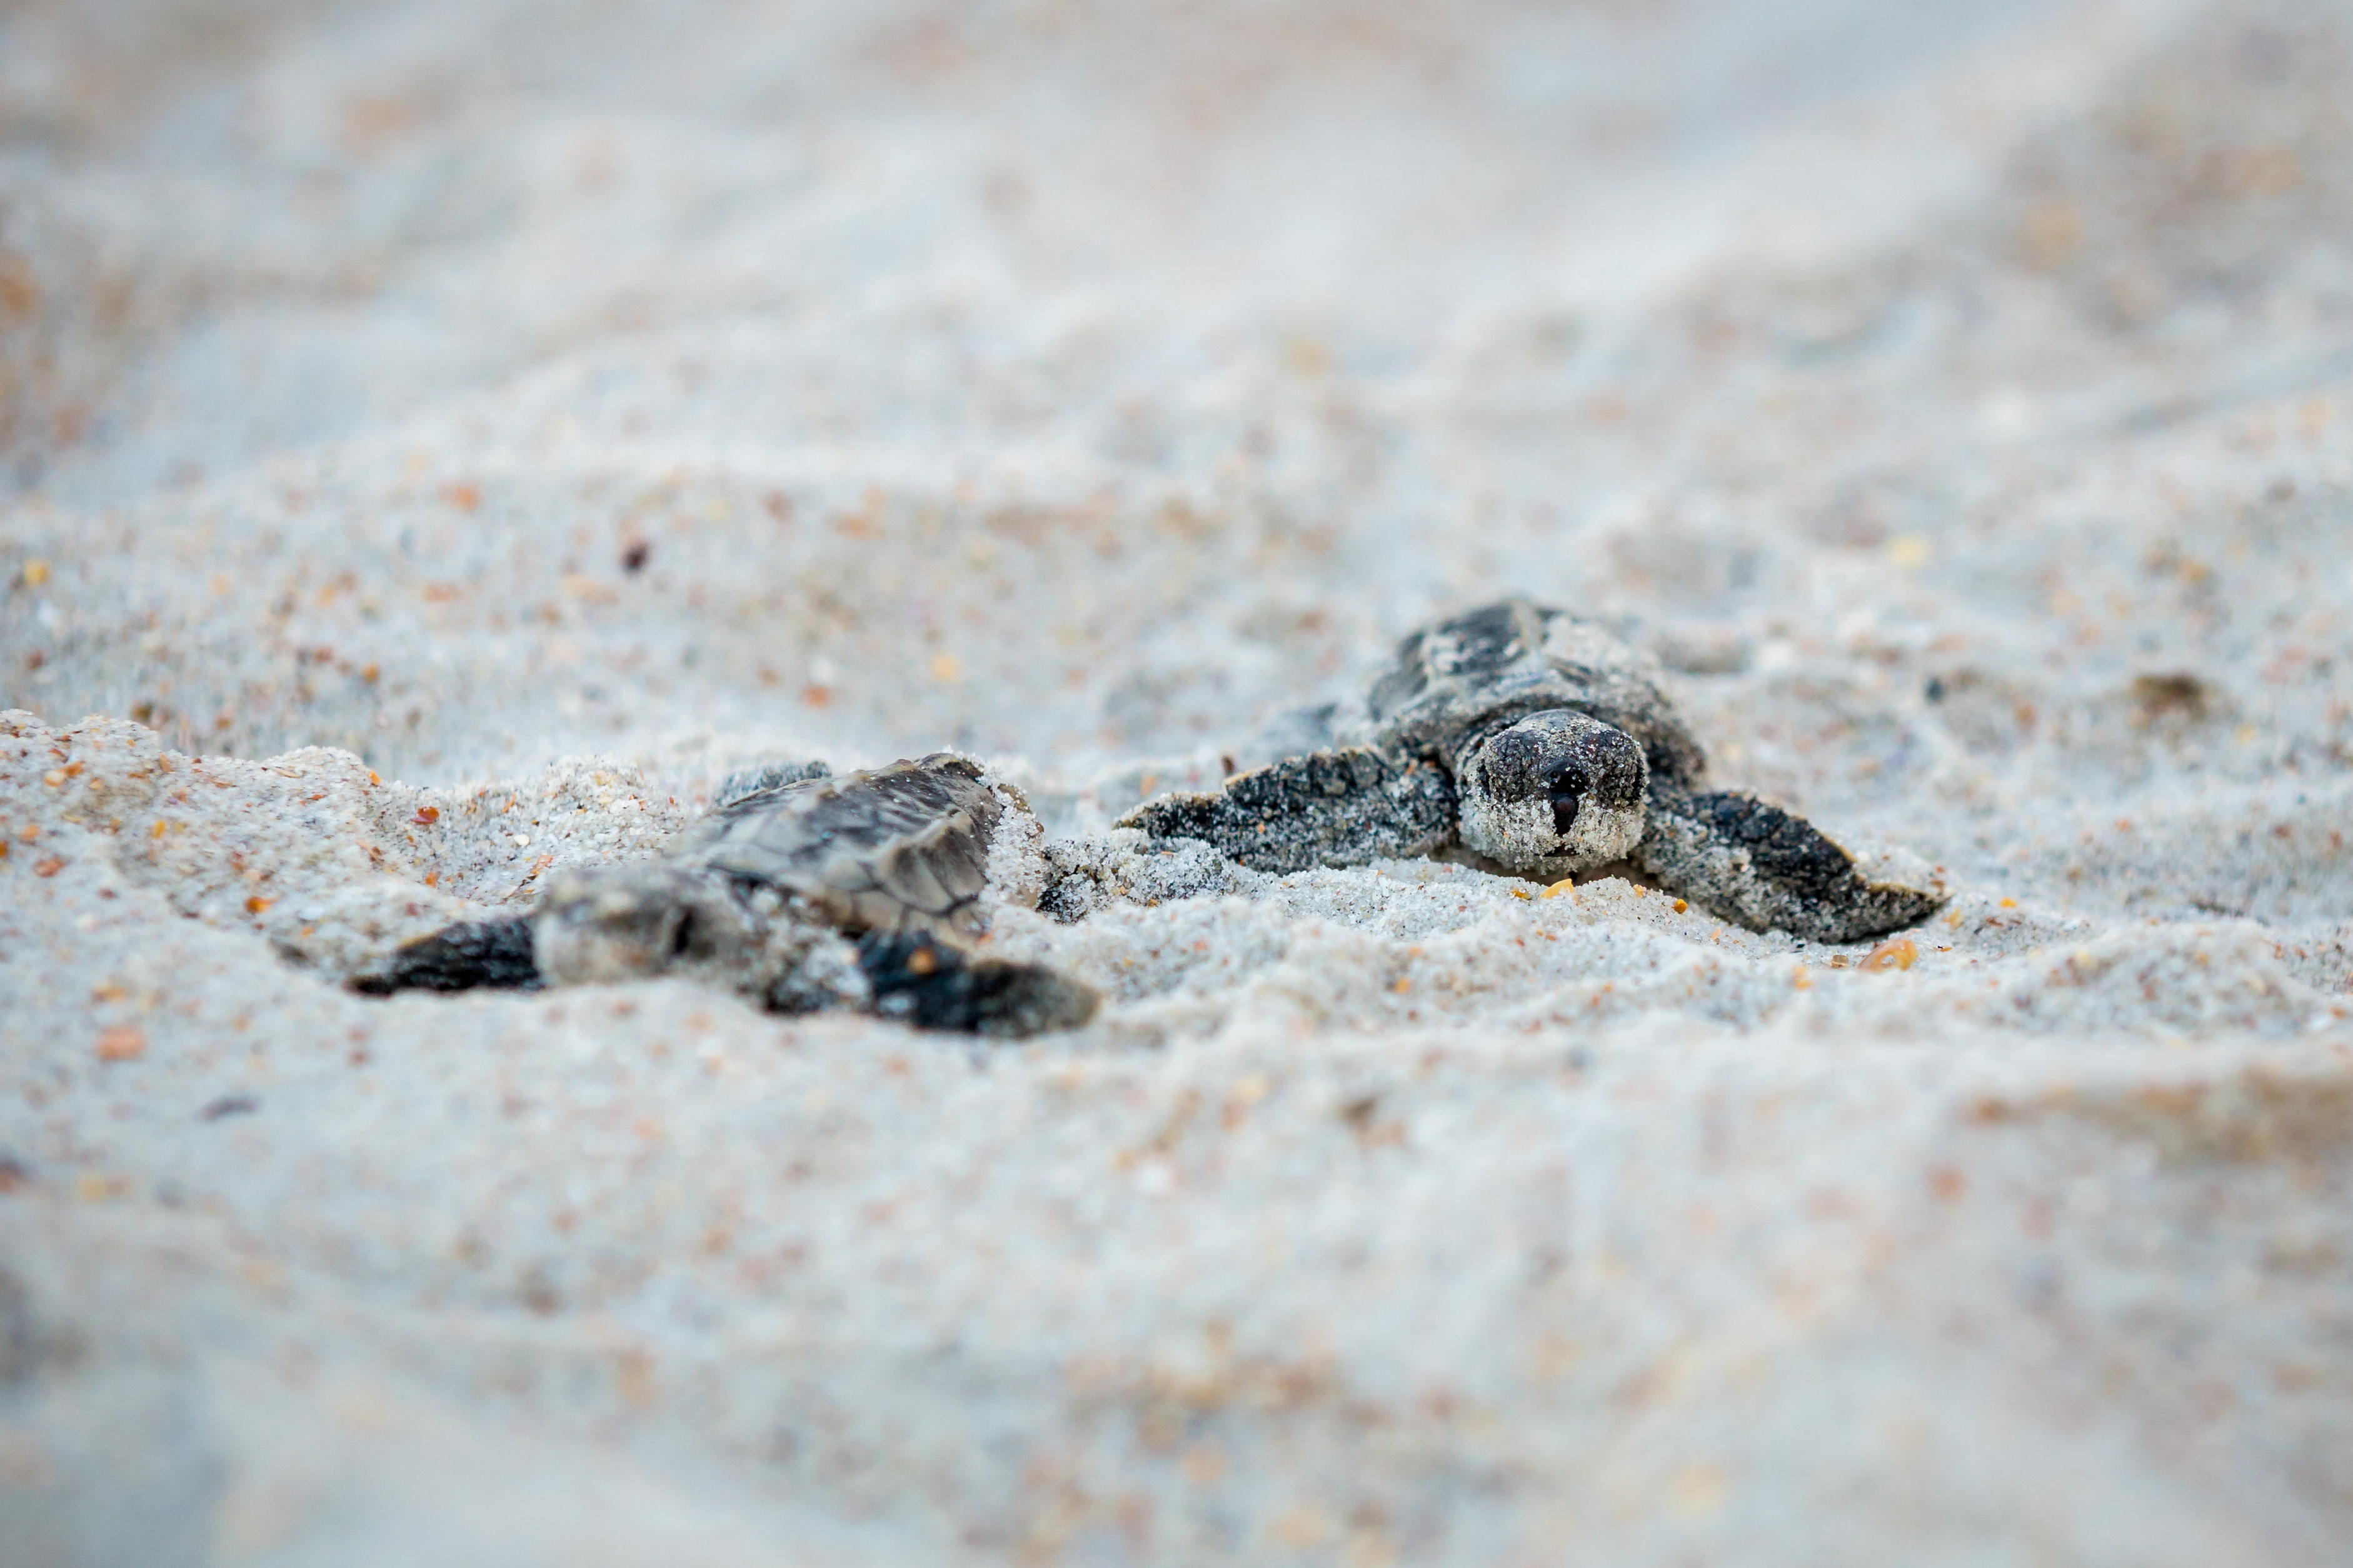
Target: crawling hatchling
798,889
1543,742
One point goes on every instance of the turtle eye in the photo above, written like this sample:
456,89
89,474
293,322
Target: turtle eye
1567,787
683,937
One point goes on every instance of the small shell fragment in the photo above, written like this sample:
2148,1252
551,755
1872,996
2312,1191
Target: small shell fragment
1902,952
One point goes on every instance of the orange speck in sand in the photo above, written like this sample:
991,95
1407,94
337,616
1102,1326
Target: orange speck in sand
122,1043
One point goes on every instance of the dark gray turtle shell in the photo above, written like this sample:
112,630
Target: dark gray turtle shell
901,848
1457,681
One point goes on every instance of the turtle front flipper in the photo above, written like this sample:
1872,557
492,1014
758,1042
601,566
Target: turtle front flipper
1759,866
460,957
920,981
1328,808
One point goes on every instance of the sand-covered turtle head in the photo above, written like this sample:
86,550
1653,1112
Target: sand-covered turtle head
1555,792
617,923
1553,728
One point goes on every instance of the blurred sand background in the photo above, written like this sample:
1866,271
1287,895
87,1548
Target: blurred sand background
440,440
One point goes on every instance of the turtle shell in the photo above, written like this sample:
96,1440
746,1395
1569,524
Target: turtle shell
1463,678
900,848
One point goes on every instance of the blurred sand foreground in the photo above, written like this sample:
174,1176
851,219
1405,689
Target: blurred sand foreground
395,400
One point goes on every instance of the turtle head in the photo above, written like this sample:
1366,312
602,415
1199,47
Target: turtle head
1555,792
632,922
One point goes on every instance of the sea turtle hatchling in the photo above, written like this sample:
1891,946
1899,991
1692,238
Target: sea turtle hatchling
764,894
1541,742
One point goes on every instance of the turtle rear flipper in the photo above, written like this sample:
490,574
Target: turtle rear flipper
1759,866
460,957
1328,808
931,985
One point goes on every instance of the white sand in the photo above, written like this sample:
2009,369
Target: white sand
1962,405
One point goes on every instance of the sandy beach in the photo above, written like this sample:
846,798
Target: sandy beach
439,443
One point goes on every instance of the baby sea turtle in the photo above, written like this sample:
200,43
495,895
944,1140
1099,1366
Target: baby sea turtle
762,895
1543,742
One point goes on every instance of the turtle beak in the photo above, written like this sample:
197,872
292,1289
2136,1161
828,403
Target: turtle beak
1556,792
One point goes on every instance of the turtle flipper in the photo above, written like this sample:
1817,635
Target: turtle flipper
459,957
1328,808
1757,866
925,982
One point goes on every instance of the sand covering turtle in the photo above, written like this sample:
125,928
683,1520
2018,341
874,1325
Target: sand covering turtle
1543,742
764,894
